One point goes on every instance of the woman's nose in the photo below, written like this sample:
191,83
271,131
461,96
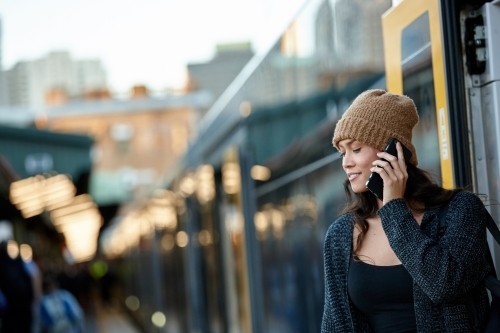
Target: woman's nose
346,160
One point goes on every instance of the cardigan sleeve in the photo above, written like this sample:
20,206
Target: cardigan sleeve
450,266
327,324
337,313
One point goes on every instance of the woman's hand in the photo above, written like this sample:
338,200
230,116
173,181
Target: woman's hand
394,177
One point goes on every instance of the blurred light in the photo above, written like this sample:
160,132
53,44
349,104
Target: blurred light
187,185
132,303
259,172
12,249
161,209
204,237
80,222
146,227
231,178
181,205
205,190
234,222
245,109
158,319
58,191
32,195
289,45
76,217
289,209
78,204
182,239
167,242
98,269
26,252
278,222
129,232
261,223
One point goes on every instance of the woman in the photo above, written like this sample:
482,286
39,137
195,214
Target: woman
387,269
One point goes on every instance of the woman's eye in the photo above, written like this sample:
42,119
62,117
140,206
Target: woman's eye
342,154
356,150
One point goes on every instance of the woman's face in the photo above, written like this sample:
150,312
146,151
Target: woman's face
357,159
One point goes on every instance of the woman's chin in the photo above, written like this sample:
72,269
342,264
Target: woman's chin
358,189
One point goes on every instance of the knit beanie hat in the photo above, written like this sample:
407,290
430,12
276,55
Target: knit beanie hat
374,117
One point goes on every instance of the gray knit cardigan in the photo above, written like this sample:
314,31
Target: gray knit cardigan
443,269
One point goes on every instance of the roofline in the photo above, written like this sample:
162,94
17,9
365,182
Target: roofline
36,135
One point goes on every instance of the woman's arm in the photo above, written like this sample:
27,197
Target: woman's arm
454,264
328,315
337,316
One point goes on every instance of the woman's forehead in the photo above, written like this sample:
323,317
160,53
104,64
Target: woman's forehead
348,142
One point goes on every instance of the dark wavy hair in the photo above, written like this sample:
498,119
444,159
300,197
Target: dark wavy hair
421,189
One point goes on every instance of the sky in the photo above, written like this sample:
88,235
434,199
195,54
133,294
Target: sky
139,42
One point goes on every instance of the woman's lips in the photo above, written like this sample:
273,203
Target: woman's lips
353,176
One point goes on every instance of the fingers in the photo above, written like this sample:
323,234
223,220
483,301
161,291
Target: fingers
384,169
393,172
401,156
397,163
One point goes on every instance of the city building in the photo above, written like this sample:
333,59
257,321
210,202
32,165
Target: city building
216,74
359,44
32,83
136,140
325,37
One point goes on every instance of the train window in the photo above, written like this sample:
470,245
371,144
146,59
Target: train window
418,83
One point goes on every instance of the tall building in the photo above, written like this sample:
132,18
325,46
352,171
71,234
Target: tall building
216,74
348,34
372,23
2,79
90,75
325,38
284,76
358,33
29,83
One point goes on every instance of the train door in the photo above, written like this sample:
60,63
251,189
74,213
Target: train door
415,67
425,60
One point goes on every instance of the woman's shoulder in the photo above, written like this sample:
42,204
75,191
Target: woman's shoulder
341,225
466,199
339,234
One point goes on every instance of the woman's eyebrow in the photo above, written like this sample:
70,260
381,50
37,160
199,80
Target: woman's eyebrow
347,143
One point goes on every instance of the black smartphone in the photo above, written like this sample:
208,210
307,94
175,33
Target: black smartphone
375,183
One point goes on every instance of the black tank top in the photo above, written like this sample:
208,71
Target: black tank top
384,295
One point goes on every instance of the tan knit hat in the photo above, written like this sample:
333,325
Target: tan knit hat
375,116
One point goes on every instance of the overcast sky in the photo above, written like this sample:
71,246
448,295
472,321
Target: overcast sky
139,42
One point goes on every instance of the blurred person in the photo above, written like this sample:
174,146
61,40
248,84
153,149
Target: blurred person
17,287
36,280
108,284
59,311
68,279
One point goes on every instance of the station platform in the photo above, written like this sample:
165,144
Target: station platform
109,320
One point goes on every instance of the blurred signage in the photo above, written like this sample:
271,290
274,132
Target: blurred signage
38,163
6,230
